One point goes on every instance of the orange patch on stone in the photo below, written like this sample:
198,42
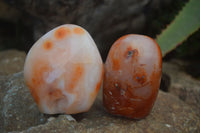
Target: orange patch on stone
155,78
140,75
61,32
94,93
55,94
116,64
76,75
48,45
98,85
78,30
39,68
115,60
34,93
100,81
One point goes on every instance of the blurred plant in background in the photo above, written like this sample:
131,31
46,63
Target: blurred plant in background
16,24
184,31
184,25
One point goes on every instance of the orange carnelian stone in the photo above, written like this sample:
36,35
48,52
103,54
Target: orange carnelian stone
132,76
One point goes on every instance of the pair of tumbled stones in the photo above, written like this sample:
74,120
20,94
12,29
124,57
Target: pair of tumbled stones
64,72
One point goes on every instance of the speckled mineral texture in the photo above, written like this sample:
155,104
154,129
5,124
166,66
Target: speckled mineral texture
182,84
11,61
18,112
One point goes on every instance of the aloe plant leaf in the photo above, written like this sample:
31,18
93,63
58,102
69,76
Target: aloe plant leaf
184,24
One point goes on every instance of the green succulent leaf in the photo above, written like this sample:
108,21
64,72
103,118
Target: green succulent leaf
185,24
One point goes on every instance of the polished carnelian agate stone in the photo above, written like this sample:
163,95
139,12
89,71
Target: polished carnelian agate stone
64,71
132,76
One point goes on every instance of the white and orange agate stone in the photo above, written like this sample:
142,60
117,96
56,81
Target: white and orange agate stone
132,76
64,70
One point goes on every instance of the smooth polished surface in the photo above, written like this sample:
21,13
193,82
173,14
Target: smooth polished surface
64,70
132,76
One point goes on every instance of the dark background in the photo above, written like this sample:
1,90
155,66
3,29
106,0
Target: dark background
22,22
